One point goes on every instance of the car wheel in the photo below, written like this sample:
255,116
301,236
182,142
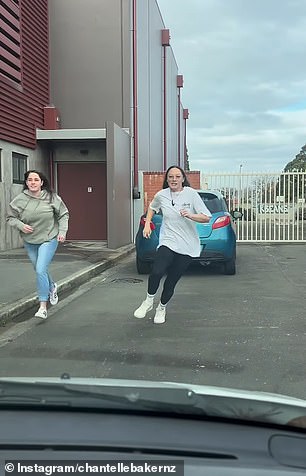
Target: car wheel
229,267
143,267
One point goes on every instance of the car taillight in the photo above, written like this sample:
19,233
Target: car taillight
221,221
143,222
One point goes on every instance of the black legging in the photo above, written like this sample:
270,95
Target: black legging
170,263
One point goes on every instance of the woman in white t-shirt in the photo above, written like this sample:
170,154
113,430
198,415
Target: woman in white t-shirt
181,207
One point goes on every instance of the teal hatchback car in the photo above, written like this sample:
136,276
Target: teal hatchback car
218,237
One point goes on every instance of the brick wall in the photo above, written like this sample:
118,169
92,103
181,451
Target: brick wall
153,182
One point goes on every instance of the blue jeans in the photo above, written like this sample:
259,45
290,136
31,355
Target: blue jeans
41,256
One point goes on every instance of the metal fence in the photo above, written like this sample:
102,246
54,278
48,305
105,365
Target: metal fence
272,204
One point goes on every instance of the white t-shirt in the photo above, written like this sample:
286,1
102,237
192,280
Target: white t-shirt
177,232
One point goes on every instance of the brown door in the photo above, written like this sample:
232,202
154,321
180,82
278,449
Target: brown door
82,186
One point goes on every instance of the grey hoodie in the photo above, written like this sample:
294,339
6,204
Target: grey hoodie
48,219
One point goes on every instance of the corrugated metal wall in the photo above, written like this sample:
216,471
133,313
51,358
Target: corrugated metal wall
21,105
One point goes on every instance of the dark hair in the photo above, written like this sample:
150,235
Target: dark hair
185,181
45,186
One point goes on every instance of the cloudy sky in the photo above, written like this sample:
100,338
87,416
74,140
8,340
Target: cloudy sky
244,68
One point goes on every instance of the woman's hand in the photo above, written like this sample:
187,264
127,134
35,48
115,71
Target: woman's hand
186,214
198,217
27,229
61,238
147,230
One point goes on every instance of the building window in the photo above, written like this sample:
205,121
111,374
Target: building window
20,163
10,47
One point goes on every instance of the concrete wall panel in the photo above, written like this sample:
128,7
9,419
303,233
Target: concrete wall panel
119,199
88,42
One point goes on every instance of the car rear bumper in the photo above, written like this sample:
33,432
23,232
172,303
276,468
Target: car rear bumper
217,253
212,256
208,256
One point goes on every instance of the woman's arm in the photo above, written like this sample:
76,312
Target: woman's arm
62,215
13,217
202,214
152,209
147,228
198,217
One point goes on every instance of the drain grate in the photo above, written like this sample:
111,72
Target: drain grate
127,280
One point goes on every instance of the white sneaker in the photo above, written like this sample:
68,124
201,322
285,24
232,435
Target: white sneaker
160,316
53,296
142,310
42,313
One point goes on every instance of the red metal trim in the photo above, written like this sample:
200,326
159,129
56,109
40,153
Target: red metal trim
185,144
166,37
46,11
135,98
51,118
22,34
165,40
165,107
179,128
185,117
179,81
179,84
51,168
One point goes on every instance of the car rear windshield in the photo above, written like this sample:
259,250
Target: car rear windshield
213,203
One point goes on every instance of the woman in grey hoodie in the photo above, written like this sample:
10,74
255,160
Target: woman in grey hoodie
41,217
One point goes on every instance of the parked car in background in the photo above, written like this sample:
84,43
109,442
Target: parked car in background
218,237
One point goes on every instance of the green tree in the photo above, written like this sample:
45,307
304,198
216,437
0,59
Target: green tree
299,163
290,185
